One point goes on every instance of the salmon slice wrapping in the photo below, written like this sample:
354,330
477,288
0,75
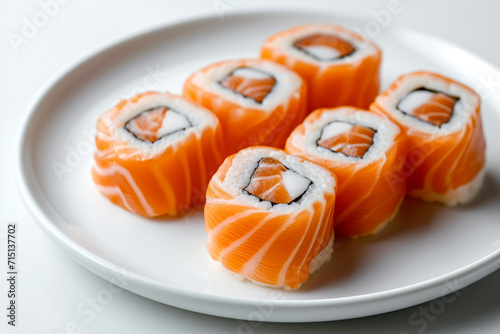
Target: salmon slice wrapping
339,66
156,153
258,102
441,118
269,215
366,152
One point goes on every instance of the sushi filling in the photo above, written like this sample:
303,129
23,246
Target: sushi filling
325,47
249,82
346,138
272,181
428,105
156,123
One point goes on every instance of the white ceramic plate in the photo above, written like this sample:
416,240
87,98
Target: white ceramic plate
430,250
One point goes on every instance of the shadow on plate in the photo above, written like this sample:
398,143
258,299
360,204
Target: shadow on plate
414,216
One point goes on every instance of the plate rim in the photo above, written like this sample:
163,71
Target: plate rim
102,267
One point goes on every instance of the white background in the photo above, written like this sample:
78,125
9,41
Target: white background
51,286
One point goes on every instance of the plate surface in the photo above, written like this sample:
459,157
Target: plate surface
428,251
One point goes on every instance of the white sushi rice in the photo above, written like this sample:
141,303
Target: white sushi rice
324,256
188,115
322,52
322,129
250,73
246,161
287,83
363,46
464,107
452,197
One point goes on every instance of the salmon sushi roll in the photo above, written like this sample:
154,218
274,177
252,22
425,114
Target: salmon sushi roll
443,123
340,66
258,102
366,152
269,216
156,153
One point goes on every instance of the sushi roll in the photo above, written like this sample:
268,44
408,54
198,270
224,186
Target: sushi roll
366,152
340,66
269,216
257,101
156,153
442,120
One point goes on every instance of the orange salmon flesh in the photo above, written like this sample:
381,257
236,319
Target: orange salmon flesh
250,124
440,163
339,71
339,46
366,197
353,143
437,108
267,182
147,126
267,246
170,182
254,88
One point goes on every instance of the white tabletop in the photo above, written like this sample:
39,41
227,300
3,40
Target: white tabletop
51,287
